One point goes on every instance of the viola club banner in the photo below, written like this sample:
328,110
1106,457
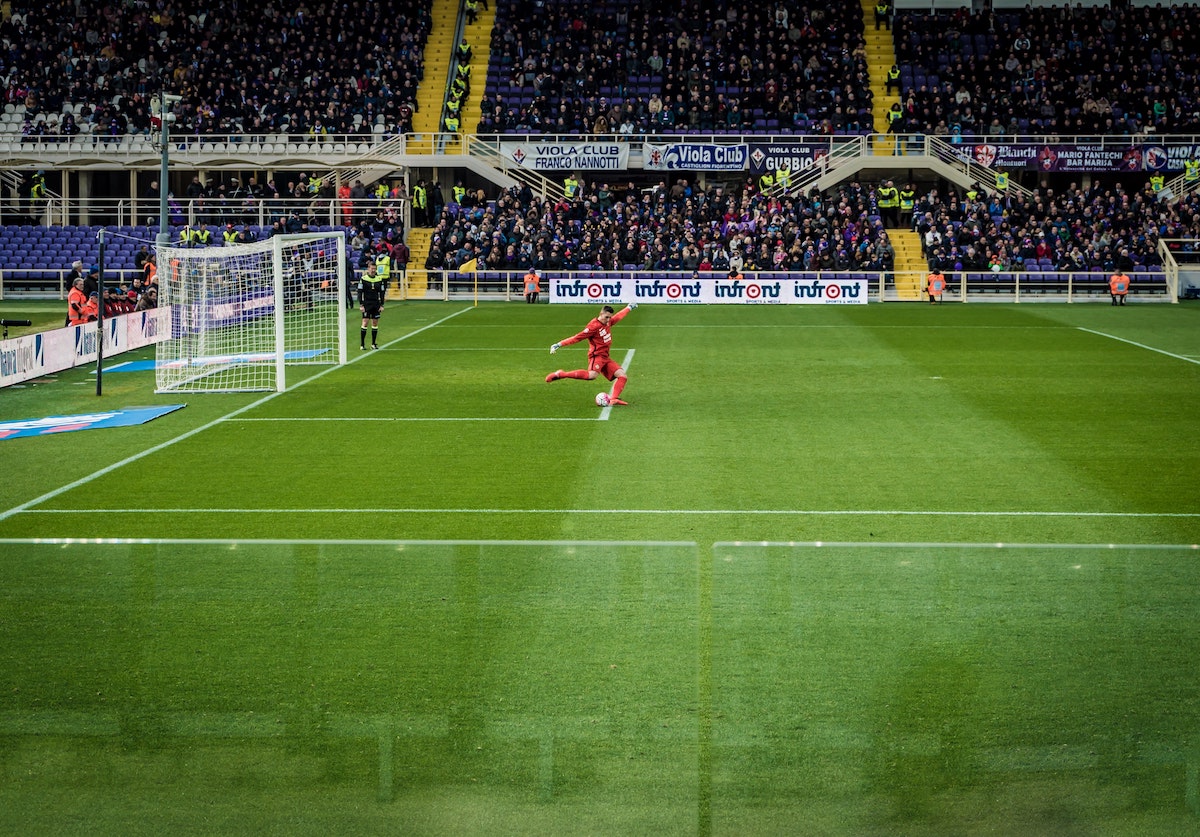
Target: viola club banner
694,156
796,156
1078,157
751,291
568,156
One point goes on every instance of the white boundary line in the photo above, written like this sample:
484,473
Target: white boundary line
659,512
50,495
399,545
1184,358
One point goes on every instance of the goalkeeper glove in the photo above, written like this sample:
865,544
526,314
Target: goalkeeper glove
555,348
633,305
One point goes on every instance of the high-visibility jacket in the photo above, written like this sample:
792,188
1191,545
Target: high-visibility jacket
784,177
888,197
1119,284
76,302
459,191
893,73
570,187
1191,170
937,284
1001,180
230,235
532,285
451,123
1157,181
908,199
766,181
383,267
419,199
381,193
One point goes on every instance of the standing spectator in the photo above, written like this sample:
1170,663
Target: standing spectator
76,302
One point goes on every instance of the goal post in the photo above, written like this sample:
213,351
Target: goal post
240,315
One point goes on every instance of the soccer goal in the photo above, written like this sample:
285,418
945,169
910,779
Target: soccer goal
243,313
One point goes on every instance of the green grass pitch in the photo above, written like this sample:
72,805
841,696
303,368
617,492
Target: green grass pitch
890,569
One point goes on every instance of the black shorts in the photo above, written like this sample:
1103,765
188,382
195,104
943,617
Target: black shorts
372,312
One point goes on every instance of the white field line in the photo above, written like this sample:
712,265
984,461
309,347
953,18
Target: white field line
1186,358
951,545
400,545
605,412
648,512
411,418
50,495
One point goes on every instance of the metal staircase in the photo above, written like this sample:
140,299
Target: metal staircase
910,151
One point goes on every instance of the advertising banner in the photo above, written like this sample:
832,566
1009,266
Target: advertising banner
34,355
796,156
1078,157
694,156
804,289
568,156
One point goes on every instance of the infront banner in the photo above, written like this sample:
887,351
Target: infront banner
694,156
621,290
568,156
34,355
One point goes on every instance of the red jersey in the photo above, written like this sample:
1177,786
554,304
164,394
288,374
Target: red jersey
599,337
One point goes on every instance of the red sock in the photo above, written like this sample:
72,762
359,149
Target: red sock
581,374
618,385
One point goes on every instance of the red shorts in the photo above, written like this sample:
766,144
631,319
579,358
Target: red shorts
605,366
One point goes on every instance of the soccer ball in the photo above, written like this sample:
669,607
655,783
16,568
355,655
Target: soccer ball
602,399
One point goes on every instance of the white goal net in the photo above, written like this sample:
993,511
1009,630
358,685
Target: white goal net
243,313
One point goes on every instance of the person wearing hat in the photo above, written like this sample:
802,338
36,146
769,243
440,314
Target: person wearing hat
532,286
91,280
230,235
91,308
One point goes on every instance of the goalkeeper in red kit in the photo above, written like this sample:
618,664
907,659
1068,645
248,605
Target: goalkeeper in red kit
599,336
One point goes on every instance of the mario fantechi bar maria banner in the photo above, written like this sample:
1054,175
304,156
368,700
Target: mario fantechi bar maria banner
621,290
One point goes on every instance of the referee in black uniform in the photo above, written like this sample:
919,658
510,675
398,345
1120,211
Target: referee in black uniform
371,293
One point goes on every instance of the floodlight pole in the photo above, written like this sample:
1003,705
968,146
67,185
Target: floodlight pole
163,239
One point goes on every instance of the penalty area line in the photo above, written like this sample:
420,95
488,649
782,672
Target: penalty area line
607,411
1186,358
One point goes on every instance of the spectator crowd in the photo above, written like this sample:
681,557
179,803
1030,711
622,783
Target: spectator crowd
685,228
270,67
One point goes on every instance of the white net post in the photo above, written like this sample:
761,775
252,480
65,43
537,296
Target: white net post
242,314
